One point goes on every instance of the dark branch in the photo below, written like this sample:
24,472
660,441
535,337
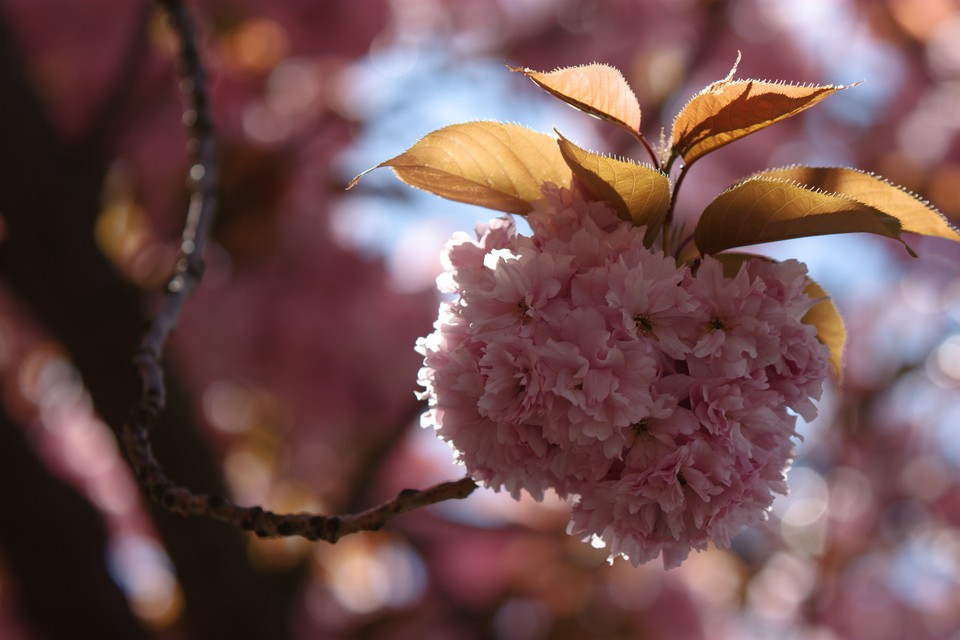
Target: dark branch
146,412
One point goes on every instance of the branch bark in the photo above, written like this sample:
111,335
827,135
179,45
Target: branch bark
49,199
153,396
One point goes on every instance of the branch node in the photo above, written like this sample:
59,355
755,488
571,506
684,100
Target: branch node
333,529
249,522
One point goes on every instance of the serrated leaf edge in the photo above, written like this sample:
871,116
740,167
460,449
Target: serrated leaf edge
758,177
526,71
619,158
652,230
882,179
719,85
386,163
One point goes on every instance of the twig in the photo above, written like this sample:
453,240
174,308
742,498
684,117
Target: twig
646,145
668,220
145,413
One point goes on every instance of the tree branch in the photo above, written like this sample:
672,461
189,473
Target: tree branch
152,401
51,197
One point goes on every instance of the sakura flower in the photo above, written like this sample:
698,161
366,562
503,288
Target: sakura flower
662,401
515,385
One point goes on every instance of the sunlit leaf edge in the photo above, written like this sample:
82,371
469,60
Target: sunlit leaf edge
715,87
889,183
654,221
633,128
886,220
501,201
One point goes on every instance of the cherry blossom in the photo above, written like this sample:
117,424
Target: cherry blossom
660,398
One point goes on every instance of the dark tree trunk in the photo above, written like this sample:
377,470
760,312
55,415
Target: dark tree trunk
49,200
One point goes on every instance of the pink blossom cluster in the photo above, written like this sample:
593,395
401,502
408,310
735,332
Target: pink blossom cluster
660,398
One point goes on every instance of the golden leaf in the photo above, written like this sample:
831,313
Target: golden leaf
637,192
825,316
731,109
914,214
763,209
597,89
493,165
733,261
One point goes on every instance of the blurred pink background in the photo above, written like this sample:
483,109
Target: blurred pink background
293,370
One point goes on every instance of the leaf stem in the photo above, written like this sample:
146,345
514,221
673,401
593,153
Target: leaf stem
670,161
650,150
668,220
683,244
